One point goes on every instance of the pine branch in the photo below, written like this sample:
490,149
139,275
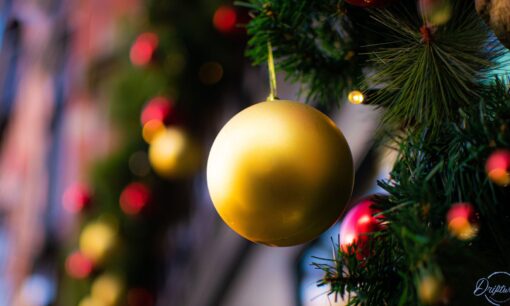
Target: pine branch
432,173
314,43
425,80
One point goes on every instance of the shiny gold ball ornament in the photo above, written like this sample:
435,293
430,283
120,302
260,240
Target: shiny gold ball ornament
280,173
174,154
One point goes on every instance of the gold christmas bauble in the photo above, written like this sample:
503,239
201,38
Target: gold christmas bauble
280,173
97,240
107,288
174,154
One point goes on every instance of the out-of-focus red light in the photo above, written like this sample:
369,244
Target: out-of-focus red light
225,19
498,167
78,266
140,297
158,108
462,221
76,197
134,198
143,49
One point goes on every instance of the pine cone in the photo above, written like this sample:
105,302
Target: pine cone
496,14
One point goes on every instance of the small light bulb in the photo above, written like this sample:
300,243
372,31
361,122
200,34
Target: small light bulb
356,97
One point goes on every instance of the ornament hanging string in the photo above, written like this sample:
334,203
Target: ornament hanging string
272,73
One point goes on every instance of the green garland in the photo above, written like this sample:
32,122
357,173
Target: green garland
432,173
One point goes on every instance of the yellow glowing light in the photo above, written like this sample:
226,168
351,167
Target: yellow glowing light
429,289
499,176
107,288
151,129
97,240
356,97
461,228
440,13
173,153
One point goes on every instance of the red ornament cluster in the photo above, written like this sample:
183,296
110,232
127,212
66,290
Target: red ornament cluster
356,225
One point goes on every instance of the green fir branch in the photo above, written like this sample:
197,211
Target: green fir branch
432,172
424,82
314,42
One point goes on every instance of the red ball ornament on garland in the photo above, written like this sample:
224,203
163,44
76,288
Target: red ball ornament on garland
78,265
356,226
143,49
76,197
498,167
225,19
462,221
370,3
134,198
158,108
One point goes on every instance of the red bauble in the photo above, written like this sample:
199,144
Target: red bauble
462,221
78,266
158,108
143,49
76,197
369,3
498,167
134,198
356,225
225,19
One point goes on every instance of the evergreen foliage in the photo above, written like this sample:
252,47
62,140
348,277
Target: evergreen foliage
314,42
433,81
432,173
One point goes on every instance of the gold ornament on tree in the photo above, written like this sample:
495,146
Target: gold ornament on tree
280,172
496,14
98,239
174,154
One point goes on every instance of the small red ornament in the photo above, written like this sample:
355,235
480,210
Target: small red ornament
498,167
76,197
143,49
158,108
462,221
134,198
78,265
225,19
357,224
369,3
